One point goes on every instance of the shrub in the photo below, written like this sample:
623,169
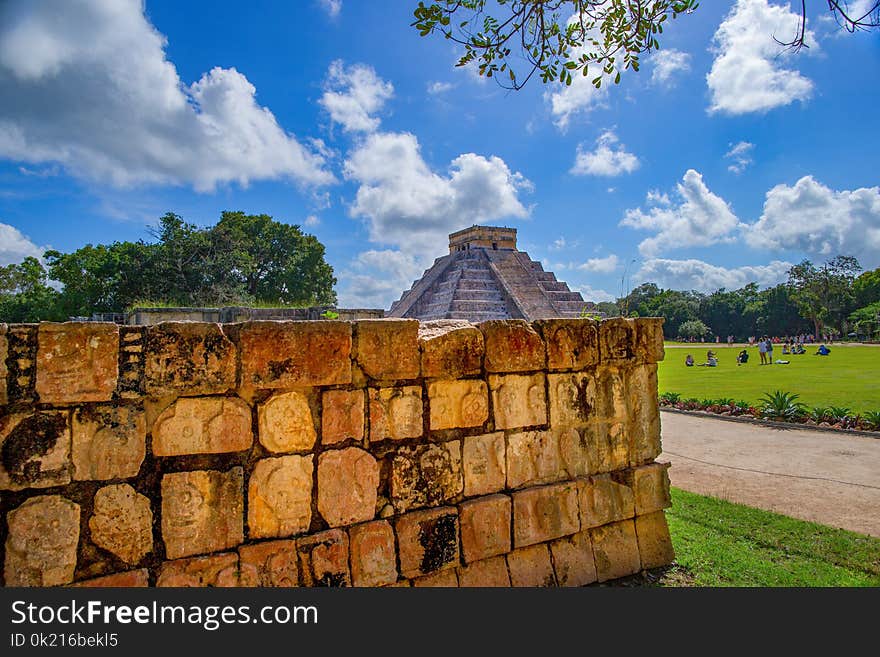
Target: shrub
818,414
838,413
872,420
669,398
781,406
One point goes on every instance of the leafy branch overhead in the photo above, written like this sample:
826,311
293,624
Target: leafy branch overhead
561,39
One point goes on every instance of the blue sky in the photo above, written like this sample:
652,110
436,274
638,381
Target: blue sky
723,161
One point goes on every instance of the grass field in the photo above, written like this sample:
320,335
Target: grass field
849,376
718,543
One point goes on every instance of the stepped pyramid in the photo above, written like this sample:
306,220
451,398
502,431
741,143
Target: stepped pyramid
486,277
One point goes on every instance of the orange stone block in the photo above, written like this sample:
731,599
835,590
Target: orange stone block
484,574
572,344
280,496
131,579
342,416
484,464
286,424
42,540
203,425
269,564
655,544
444,579
451,349
603,500
649,339
512,345
427,541
388,349
485,527
348,480
573,560
650,484
616,550
373,556
617,339
531,567
109,442
289,354
545,512
323,559
77,362
395,413
426,475
36,450
518,400
461,403
219,570
188,358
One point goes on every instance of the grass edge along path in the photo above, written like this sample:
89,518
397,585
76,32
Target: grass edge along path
720,543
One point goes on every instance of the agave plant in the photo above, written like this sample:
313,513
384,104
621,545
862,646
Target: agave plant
669,398
781,406
818,414
838,414
872,420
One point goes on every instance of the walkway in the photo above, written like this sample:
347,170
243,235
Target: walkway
829,478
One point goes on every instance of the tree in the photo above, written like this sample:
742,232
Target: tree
693,328
563,38
866,288
25,295
822,293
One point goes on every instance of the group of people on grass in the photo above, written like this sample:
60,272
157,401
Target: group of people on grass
765,352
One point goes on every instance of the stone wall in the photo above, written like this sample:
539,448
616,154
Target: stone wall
368,453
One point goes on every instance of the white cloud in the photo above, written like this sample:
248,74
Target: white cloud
332,7
667,63
351,96
747,73
435,88
704,277
15,246
699,219
561,244
609,159
590,294
376,278
814,219
741,154
93,91
656,197
407,204
580,97
604,265
311,221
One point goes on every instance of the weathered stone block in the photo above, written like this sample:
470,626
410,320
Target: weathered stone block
616,550
655,544
519,400
617,339
603,500
443,579
462,403
426,475
533,458
543,513
613,446
188,358
395,413
43,534
202,511
373,556
484,464
573,560
36,450
269,564
649,339
77,362
286,424
650,484
451,349
109,442
323,559
388,349
644,419
343,416
572,344
280,497
485,527
4,350
531,567
203,425
122,523
292,354
512,345
131,579
348,480
219,570
427,541
486,573
572,399
611,394
578,452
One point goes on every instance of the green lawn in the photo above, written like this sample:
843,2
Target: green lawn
848,377
718,543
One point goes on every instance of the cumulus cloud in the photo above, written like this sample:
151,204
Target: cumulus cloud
352,95
699,218
580,97
332,7
814,219
667,63
87,85
435,88
741,154
609,159
376,278
591,294
15,246
604,265
311,221
704,277
747,74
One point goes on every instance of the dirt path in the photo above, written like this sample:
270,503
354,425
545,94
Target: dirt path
823,477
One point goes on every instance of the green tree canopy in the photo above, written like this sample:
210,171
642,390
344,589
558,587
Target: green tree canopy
823,293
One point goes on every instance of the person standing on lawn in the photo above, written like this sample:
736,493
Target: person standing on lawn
762,351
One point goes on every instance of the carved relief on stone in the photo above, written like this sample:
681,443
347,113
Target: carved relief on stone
203,425
395,413
77,362
35,450
347,483
518,400
269,564
426,475
280,497
122,523
460,403
286,424
343,416
42,542
109,442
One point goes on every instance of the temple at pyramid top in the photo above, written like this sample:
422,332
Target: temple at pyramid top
486,277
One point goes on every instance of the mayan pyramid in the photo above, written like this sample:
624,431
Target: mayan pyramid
486,277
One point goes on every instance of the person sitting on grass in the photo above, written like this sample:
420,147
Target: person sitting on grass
822,351
743,357
711,360
689,361
799,348
785,349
